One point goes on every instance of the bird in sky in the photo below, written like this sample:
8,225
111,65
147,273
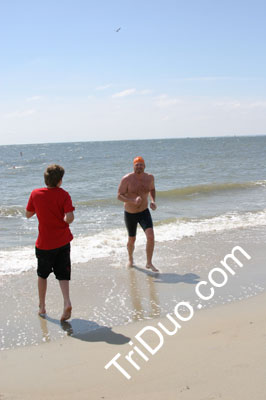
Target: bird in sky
117,30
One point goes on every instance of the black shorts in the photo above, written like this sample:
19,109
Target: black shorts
56,261
132,220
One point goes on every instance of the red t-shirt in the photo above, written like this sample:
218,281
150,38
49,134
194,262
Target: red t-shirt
50,206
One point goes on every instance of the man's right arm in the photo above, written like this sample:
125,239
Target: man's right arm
122,193
122,190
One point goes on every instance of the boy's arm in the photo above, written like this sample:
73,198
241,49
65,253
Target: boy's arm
69,217
68,209
29,214
30,209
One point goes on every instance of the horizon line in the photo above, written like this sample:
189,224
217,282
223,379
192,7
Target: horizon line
135,140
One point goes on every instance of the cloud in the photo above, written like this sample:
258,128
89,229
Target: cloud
145,91
240,105
258,104
166,118
33,98
104,87
124,93
20,114
228,105
164,101
136,117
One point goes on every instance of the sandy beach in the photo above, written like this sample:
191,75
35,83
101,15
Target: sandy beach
219,354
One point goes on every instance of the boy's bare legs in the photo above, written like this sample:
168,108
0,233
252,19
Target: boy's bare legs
149,249
42,287
130,249
64,286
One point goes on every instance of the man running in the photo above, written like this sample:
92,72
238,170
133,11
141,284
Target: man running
134,190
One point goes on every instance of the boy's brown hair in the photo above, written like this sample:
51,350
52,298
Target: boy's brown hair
53,175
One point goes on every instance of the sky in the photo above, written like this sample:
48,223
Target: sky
175,69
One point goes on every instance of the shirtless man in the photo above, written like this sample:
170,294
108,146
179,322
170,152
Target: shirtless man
134,190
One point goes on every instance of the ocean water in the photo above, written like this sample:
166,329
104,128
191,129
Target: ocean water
203,185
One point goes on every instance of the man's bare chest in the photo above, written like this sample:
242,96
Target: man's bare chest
139,186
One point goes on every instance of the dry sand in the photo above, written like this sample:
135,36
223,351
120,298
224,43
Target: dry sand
219,354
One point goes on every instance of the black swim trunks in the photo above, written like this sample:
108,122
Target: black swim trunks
132,220
56,261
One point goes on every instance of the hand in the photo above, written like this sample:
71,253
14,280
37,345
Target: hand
138,201
153,205
69,217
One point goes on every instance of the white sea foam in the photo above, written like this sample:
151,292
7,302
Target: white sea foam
112,243
17,167
16,261
179,229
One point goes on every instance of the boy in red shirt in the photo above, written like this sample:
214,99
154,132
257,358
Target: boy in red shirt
54,210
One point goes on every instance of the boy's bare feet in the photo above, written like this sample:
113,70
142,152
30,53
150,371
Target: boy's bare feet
130,263
152,267
66,314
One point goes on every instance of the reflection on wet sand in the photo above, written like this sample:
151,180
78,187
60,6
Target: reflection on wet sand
137,296
44,329
155,307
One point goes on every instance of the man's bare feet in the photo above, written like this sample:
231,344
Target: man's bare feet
42,311
152,267
66,314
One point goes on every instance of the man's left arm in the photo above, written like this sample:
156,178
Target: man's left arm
152,195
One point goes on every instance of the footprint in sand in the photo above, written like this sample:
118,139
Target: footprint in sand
185,388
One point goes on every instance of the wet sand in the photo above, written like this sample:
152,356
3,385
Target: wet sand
106,293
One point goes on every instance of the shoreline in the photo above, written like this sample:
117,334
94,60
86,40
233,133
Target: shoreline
219,354
105,293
